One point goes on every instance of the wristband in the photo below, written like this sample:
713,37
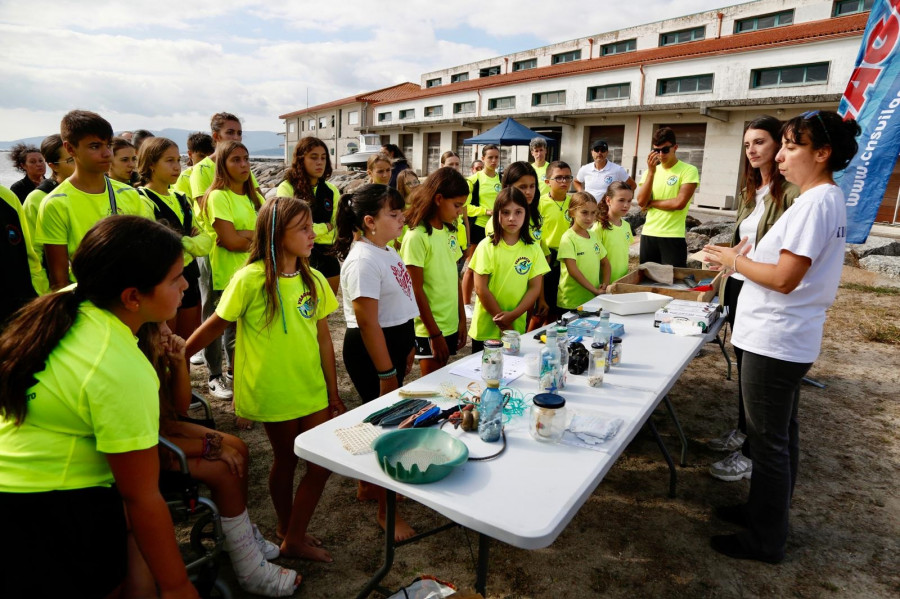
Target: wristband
436,335
734,266
388,374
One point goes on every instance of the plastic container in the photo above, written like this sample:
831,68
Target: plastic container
549,374
490,413
562,340
548,415
419,455
492,360
597,365
633,303
511,343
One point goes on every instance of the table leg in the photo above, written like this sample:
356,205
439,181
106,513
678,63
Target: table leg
814,382
662,447
678,428
481,571
721,345
390,518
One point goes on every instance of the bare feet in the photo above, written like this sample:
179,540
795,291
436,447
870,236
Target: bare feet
305,550
243,424
368,492
402,530
307,538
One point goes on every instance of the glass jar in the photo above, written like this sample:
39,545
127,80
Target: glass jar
616,350
597,364
511,343
492,360
548,417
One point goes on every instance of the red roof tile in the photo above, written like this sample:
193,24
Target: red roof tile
380,95
826,29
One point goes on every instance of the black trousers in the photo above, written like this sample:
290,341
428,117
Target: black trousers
732,291
664,250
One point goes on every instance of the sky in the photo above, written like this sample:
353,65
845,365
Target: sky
167,63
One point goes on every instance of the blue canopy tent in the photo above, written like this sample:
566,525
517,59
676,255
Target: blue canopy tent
508,133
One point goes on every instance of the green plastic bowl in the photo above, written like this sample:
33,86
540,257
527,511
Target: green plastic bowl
419,455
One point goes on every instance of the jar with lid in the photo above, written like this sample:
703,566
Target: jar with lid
615,350
562,340
511,342
548,417
492,360
597,365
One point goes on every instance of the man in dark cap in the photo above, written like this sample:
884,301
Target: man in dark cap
594,177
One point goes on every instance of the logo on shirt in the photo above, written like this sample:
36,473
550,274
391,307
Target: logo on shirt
451,241
608,179
568,218
13,235
628,237
402,276
497,187
536,233
305,305
841,232
523,265
596,248
672,180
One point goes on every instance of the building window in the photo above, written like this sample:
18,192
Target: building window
850,7
566,57
434,82
501,103
292,127
489,71
548,98
434,111
619,47
609,92
312,124
323,122
353,117
524,65
800,74
459,77
777,19
463,107
685,85
682,36
384,117
409,113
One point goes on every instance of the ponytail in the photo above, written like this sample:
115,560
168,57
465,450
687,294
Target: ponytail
353,208
346,227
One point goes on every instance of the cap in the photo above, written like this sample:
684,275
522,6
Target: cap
600,146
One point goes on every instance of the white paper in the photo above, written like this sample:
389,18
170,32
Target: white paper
513,368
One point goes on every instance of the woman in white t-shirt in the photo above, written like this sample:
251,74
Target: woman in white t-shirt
764,198
379,304
789,283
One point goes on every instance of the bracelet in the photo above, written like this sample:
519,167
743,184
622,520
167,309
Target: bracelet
734,266
436,335
388,374
212,446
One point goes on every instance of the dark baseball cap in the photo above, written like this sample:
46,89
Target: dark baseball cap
600,146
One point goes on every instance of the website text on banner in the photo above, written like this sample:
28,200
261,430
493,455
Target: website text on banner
872,97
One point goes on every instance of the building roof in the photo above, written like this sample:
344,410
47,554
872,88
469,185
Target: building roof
826,29
386,94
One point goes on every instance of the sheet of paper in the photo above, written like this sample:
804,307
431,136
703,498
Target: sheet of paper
513,368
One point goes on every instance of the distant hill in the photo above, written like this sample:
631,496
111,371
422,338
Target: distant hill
260,143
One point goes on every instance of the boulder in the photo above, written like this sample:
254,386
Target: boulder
695,241
723,238
715,228
885,265
876,246
690,222
636,218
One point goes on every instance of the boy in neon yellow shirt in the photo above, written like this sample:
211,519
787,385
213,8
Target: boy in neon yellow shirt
666,190
554,209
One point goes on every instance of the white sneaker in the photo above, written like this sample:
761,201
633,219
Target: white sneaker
197,359
470,310
269,549
733,468
219,390
730,441
229,378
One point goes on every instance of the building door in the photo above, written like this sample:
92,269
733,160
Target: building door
385,140
405,142
433,149
555,133
464,152
613,135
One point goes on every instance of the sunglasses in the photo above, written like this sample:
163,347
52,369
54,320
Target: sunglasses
663,150
806,116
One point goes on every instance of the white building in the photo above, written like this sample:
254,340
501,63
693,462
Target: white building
704,75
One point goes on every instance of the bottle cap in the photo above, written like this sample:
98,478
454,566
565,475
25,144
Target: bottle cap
550,401
493,384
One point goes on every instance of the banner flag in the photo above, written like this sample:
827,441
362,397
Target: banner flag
872,97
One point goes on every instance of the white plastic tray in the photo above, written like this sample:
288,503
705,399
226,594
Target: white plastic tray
633,303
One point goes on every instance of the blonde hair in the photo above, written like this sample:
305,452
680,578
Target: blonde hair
579,199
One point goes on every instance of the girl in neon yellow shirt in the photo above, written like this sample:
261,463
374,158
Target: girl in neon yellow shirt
614,231
123,162
582,256
378,167
285,374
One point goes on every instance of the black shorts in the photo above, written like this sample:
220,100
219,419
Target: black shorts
191,296
423,347
551,283
664,250
476,232
322,260
399,341
87,526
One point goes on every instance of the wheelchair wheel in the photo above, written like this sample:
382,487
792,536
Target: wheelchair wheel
204,537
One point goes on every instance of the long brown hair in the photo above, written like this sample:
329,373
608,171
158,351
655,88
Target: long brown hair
510,195
149,154
296,175
271,224
447,182
604,202
753,176
223,180
150,342
117,253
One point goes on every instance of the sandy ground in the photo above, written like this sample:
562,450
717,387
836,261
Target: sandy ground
630,539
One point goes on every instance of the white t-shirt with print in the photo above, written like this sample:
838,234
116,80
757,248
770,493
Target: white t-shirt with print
596,181
370,271
789,326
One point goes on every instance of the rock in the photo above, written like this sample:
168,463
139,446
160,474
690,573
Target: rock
850,259
886,265
876,246
634,250
723,238
695,241
690,222
714,228
635,218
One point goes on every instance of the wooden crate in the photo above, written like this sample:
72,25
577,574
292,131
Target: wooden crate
635,281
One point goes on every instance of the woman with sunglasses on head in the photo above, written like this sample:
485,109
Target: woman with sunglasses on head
790,281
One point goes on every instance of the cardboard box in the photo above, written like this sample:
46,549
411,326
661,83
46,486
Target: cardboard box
635,281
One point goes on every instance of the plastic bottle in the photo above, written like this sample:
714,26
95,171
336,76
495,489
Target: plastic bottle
490,413
562,339
549,377
603,331
597,365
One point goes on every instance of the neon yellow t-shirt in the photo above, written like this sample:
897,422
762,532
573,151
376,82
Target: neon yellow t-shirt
587,253
323,235
30,208
488,188
436,254
197,245
666,184
536,233
204,173
277,376
66,215
224,204
98,394
556,219
39,280
183,184
510,268
543,186
461,235
616,241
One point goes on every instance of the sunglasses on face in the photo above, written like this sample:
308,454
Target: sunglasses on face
663,150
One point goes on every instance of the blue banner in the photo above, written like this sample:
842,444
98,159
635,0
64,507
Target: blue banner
872,97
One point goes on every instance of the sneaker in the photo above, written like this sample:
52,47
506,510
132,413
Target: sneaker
229,378
269,549
218,388
733,468
730,441
197,359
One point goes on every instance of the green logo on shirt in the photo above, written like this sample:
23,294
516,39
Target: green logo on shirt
451,240
596,248
536,233
672,180
523,265
305,305
497,187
